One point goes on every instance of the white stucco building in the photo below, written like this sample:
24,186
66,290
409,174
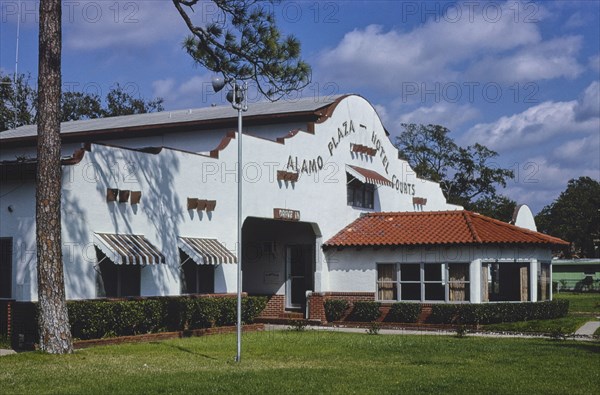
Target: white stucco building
149,208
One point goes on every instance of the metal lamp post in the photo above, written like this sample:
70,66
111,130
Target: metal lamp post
237,96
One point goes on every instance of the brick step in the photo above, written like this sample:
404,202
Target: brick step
292,315
424,314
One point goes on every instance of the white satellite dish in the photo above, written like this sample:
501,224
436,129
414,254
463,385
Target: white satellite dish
523,217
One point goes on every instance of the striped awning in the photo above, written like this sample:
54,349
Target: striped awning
367,176
206,251
125,249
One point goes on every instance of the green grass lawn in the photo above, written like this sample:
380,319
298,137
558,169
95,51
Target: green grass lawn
581,302
313,362
567,325
583,307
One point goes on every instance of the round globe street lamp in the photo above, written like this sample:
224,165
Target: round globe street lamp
238,97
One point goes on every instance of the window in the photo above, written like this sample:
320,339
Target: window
387,288
117,281
423,282
543,281
507,282
360,194
410,281
196,279
433,282
6,268
458,282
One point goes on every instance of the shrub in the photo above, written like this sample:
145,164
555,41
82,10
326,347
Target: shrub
95,319
443,313
227,308
297,325
178,314
404,312
365,311
335,309
203,312
374,328
90,319
492,313
252,307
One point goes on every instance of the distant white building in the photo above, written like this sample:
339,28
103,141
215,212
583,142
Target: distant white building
149,208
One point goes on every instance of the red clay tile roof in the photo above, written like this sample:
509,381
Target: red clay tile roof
436,227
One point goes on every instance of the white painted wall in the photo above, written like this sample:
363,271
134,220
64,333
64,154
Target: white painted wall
167,179
355,270
20,225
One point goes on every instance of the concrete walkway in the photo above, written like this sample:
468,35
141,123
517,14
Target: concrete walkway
4,352
383,331
588,328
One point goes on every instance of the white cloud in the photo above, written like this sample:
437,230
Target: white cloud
383,113
594,63
531,126
446,114
546,60
547,145
572,152
540,181
589,103
163,88
576,20
539,123
509,49
93,25
192,93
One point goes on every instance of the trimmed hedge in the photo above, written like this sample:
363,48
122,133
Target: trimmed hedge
471,314
335,309
94,319
365,311
404,312
492,313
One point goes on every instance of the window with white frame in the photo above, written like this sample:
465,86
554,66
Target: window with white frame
433,280
410,281
423,282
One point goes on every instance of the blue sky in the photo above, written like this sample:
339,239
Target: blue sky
522,78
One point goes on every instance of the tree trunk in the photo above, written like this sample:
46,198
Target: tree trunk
53,322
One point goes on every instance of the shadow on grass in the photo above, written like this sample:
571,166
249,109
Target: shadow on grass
592,347
184,349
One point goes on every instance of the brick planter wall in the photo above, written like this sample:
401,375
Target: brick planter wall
6,318
316,302
275,306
